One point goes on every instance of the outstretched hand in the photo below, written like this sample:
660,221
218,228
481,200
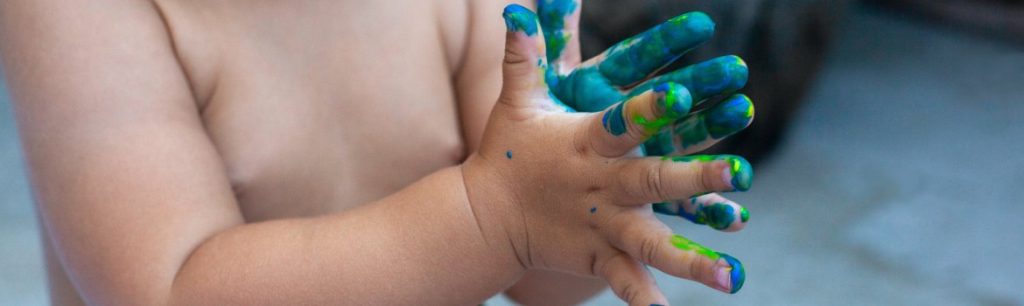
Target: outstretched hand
630,68
572,193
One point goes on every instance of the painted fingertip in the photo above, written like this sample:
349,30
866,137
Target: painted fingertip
719,216
730,277
520,19
692,26
739,174
730,117
719,75
675,99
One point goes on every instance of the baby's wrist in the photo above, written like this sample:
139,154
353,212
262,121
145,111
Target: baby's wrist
495,211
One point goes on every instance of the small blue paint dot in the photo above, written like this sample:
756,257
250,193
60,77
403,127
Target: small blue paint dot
508,154
593,209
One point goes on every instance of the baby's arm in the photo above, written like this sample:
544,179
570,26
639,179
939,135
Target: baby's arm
136,201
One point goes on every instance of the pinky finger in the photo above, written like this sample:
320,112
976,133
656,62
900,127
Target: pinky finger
631,281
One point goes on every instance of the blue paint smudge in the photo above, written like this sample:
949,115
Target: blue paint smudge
508,154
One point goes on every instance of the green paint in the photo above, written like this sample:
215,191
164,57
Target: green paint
673,101
684,244
718,216
553,14
744,214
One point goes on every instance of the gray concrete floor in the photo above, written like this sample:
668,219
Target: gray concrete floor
899,184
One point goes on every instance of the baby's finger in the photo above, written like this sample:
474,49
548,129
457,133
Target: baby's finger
626,125
634,59
653,180
653,243
631,281
523,83
560,22
718,76
711,209
700,130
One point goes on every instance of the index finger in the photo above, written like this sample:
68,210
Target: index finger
559,19
634,59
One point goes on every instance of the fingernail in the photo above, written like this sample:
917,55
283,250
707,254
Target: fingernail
520,19
722,276
731,277
675,99
738,173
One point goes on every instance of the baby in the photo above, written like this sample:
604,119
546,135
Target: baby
341,152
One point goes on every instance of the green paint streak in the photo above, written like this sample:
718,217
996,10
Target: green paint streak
684,244
744,215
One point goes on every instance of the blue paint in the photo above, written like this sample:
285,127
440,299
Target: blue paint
738,275
508,154
633,59
721,75
520,19
729,117
613,121
593,209
552,14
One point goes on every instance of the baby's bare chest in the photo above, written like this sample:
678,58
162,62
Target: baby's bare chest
317,106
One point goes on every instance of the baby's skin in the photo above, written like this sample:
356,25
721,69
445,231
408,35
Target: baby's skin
627,69
575,191
187,152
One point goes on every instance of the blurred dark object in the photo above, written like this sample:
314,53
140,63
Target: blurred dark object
783,43
1002,19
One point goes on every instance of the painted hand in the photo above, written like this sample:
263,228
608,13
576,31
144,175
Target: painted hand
572,196
628,69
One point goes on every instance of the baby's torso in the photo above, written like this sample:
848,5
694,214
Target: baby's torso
318,106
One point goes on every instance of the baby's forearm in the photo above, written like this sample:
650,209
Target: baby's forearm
423,245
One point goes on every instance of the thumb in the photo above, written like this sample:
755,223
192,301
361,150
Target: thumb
525,61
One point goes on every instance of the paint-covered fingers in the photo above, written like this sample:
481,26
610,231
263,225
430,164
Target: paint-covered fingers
700,130
653,179
560,20
712,210
718,76
630,280
653,243
636,58
624,126
524,65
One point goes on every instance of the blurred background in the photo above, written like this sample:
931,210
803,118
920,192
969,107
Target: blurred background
887,147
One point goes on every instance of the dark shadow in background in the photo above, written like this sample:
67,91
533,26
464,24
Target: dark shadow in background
784,43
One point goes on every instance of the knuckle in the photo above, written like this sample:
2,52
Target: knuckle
629,292
649,250
653,186
700,179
